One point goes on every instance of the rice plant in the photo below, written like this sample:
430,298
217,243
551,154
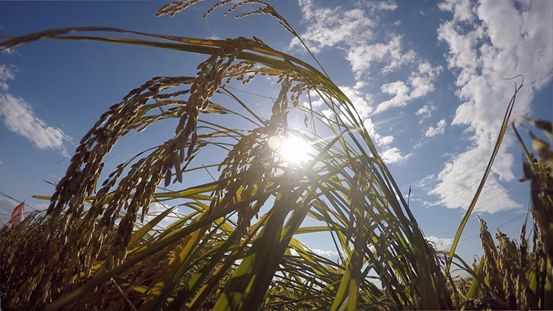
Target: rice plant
514,274
229,244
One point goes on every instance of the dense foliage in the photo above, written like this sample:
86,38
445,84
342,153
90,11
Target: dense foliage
230,244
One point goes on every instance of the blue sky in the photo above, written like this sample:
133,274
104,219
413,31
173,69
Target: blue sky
427,79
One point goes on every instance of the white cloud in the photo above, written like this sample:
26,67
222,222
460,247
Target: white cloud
379,139
369,125
382,6
421,81
154,209
461,9
501,42
426,180
386,140
425,111
20,118
388,155
352,31
400,92
316,101
361,56
440,243
331,26
361,103
9,51
460,179
329,114
5,74
439,129
393,155
324,253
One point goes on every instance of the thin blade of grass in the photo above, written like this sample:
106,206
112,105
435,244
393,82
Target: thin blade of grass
470,208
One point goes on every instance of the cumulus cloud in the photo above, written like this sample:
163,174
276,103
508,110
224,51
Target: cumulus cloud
329,114
315,102
361,56
379,139
329,26
422,80
461,176
6,73
461,9
324,253
502,41
362,103
20,118
421,83
386,140
439,129
425,112
440,243
154,209
388,154
386,6
393,155
374,6
352,30
400,92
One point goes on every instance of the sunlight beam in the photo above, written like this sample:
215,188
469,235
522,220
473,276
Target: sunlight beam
292,149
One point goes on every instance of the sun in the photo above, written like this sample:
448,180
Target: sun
293,149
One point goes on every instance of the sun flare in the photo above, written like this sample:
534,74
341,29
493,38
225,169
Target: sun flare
294,149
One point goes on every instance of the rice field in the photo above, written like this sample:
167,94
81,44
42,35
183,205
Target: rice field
230,244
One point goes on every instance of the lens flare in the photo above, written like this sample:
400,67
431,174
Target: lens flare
295,149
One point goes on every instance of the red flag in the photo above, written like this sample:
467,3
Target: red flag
17,214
